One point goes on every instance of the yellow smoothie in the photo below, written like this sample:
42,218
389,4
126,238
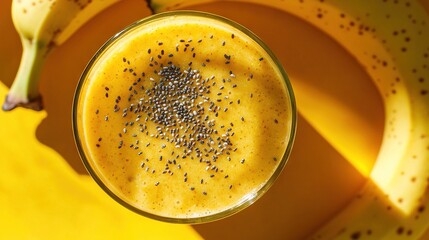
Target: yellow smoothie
184,117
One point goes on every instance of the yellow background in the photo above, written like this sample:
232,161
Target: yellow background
45,192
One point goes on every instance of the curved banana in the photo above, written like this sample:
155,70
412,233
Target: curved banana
42,25
389,39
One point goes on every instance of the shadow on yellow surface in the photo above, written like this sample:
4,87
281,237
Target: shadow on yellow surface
42,197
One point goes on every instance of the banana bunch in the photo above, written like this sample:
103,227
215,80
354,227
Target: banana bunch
390,40
42,25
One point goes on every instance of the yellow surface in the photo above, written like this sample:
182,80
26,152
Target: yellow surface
42,198
288,211
45,194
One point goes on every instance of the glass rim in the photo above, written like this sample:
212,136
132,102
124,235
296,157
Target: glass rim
248,199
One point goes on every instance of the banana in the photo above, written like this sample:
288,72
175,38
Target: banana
42,25
389,38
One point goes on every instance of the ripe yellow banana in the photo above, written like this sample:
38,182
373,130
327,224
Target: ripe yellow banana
42,25
390,39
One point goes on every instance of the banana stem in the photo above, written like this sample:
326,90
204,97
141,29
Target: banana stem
24,91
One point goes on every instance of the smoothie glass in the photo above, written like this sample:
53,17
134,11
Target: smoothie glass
133,138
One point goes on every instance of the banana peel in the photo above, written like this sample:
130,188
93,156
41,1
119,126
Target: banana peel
41,197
